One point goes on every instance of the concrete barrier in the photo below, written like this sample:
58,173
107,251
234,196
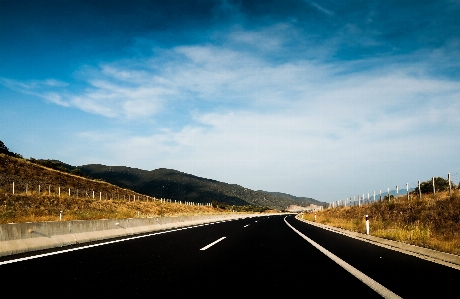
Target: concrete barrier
31,236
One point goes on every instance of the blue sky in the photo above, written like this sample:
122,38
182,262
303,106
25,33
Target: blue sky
318,99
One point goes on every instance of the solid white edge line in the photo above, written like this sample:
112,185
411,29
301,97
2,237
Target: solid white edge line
93,245
213,243
380,289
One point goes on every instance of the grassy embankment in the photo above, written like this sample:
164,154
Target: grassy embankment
27,204
431,222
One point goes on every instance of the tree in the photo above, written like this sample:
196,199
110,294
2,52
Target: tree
3,148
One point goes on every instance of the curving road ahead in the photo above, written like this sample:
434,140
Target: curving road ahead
257,256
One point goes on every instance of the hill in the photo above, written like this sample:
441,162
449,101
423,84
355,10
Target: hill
170,184
30,192
176,185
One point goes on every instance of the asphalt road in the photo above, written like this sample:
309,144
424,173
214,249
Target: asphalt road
254,256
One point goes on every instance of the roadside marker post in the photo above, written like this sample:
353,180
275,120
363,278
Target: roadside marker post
367,224
315,216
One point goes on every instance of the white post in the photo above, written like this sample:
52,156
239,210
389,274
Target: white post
368,198
450,184
60,215
100,195
315,216
380,194
49,189
69,192
27,185
434,189
388,194
13,187
367,224
396,191
93,194
59,191
38,189
374,196
419,191
407,190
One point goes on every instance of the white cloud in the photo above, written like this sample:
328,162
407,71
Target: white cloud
300,126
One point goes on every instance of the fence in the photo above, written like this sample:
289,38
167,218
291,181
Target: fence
109,192
361,199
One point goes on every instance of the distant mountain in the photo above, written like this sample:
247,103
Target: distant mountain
176,185
302,201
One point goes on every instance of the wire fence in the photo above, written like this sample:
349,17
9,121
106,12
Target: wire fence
90,189
400,191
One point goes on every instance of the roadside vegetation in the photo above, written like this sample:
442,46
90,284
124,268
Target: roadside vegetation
432,221
41,193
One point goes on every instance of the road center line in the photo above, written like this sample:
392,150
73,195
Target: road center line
213,243
380,289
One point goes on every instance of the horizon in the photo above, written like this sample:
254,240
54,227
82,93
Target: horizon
314,99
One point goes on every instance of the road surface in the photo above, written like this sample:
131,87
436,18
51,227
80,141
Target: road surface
261,256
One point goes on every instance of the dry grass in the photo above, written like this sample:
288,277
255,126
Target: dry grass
28,205
32,208
428,222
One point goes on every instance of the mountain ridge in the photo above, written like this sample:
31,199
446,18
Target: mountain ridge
177,185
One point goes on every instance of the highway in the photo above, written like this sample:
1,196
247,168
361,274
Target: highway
260,255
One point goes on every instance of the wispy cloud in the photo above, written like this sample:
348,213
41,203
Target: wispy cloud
320,8
274,122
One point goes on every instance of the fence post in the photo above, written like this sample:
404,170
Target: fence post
380,194
13,188
100,195
27,187
69,192
38,189
434,189
397,191
419,191
407,190
388,194
450,184
59,191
